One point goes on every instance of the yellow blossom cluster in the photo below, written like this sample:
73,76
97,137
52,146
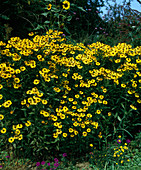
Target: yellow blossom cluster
48,52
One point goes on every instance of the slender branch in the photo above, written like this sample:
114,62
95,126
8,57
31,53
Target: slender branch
27,20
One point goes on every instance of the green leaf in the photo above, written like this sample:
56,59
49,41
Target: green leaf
44,14
57,99
67,30
31,113
4,17
54,10
57,15
119,118
69,18
138,124
127,132
46,22
81,8
38,27
14,145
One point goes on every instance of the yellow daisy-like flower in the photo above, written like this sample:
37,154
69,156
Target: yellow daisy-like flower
3,130
46,114
55,135
36,81
105,102
1,96
1,117
109,113
104,90
17,132
66,5
84,133
91,145
62,116
1,86
49,7
70,130
64,135
77,96
98,111
20,137
11,140
19,126
123,85
88,130
28,123
44,101
31,34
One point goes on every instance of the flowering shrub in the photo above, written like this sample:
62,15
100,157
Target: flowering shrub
54,93
116,154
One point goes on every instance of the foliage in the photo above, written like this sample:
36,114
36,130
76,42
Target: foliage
123,25
24,16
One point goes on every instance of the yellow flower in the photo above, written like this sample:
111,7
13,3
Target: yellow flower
3,130
64,135
55,135
17,80
98,111
36,81
31,34
75,132
101,96
11,139
83,125
17,132
54,118
23,102
70,130
105,102
77,96
66,5
20,137
123,85
1,86
60,126
62,116
28,123
84,134
19,126
88,130
1,117
97,63
14,127
70,99
75,124
104,90
91,145
44,101
49,7
109,114
89,115
46,114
